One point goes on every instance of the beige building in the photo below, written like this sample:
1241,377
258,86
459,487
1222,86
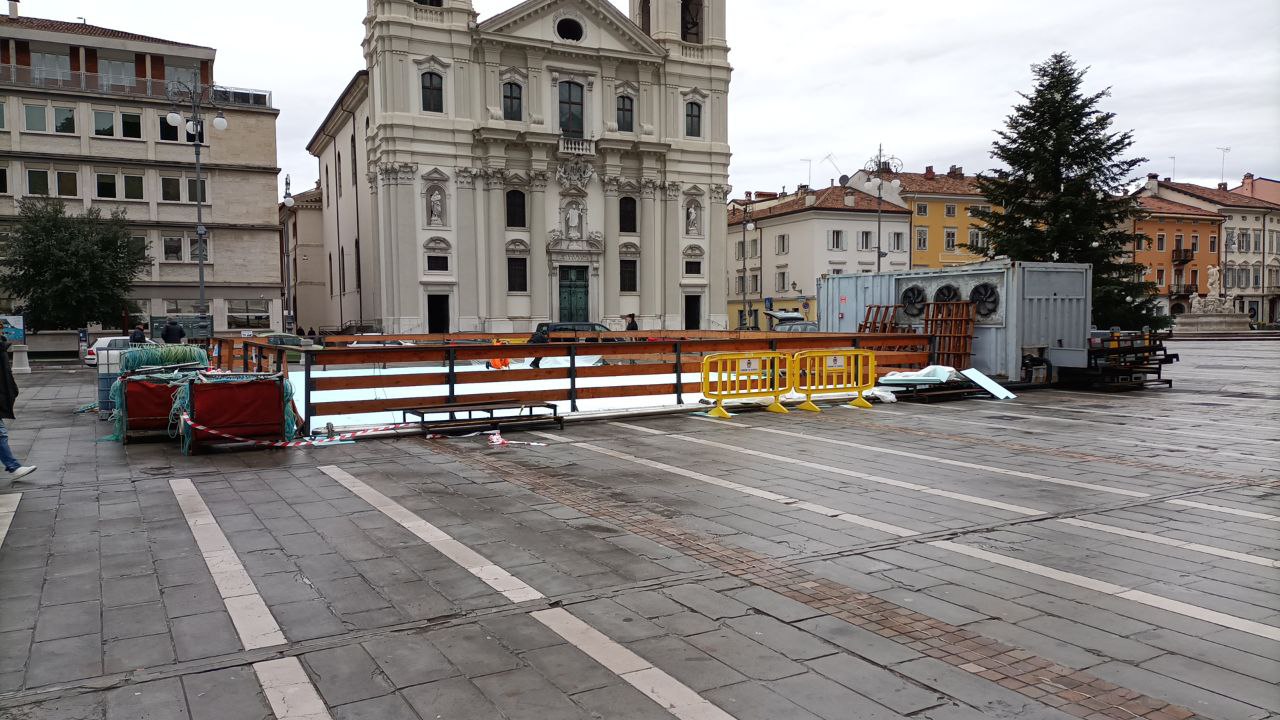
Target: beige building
791,240
558,161
302,233
82,118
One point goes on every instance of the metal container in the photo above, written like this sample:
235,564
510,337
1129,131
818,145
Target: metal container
1029,308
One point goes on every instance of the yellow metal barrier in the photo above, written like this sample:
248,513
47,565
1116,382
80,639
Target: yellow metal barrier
742,376
831,372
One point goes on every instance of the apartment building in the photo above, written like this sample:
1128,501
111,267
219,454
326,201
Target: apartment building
791,240
942,227
302,238
82,118
1182,243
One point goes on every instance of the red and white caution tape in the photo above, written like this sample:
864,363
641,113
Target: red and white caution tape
495,437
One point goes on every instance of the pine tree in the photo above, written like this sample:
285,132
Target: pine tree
70,270
1063,193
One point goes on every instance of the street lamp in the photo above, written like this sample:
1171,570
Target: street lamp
288,270
747,226
194,98
879,167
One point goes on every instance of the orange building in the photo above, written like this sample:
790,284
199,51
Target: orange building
1182,242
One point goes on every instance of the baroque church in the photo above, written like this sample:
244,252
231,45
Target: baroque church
559,161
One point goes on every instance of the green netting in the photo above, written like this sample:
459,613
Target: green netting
152,356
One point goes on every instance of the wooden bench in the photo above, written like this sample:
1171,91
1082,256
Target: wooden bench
488,409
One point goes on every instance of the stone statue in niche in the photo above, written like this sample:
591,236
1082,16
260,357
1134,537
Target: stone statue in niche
436,208
573,221
691,223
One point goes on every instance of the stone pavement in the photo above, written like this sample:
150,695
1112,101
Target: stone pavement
1063,555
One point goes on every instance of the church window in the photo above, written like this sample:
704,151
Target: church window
570,29
572,110
693,119
627,215
516,209
626,113
432,92
691,21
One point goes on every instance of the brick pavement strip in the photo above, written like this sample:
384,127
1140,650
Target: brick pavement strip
1074,692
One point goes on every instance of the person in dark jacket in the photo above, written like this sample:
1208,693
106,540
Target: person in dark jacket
632,325
539,337
8,397
173,332
138,336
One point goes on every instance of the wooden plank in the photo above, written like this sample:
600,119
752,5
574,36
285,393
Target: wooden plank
371,382
600,393
357,407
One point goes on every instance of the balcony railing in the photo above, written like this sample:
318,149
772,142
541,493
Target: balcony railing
139,88
1182,257
577,146
1183,290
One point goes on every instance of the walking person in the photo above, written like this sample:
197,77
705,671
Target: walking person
138,336
173,332
8,397
539,337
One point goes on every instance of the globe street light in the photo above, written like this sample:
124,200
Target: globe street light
747,226
288,203
194,98
879,167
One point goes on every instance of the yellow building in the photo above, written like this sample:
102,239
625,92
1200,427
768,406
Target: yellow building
940,222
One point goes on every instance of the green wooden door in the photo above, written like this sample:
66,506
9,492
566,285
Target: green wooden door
573,294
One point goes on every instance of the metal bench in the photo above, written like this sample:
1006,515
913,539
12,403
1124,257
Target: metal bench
489,411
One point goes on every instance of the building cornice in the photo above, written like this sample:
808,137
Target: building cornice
132,162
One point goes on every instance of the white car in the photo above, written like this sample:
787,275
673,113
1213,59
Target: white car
104,345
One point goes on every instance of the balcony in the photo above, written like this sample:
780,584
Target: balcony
577,146
1175,290
1182,257
133,88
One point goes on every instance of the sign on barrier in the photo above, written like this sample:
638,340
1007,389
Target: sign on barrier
832,372
744,376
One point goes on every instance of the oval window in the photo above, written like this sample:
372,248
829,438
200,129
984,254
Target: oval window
569,29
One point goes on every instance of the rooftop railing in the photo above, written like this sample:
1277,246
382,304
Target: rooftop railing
138,88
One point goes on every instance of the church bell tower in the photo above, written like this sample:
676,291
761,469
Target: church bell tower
680,24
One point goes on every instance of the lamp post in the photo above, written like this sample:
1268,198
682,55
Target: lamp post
878,167
747,226
288,269
193,98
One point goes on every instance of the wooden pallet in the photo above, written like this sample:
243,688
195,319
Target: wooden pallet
881,319
951,324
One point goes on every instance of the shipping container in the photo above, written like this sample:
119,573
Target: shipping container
1024,308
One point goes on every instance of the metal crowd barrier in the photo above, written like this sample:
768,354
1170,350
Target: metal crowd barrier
832,372
743,376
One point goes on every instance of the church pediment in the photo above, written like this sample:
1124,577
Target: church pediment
577,25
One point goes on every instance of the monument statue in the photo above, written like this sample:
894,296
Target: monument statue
691,220
1215,311
437,209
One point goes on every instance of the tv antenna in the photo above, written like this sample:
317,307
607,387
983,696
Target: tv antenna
1224,151
810,162
1173,174
830,158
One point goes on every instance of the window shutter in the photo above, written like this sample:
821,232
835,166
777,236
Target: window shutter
91,61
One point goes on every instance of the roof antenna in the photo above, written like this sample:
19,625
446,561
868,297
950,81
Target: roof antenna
830,158
82,20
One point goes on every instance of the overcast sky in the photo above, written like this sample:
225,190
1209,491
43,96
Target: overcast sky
930,79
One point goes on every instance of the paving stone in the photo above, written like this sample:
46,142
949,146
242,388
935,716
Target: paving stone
686,623
521,633
204,635
752,701
451,699
137,652
828,699
525,695
409,660
19,613
284,587
683,661
61,621
613,620
346,674
129,590
350,595
621,702
992,699
326,567
156,700
850,578
1234,685
134,621
473,651
1092,639
569,669
778,606
1266,669
191,599
127,563
876,683
182,571
1059,651
71,589
1198,700
864,643
746,656
372,619
306,620
707,602
14,646
649,604
985,604
387,707
65,659
783,638
230,694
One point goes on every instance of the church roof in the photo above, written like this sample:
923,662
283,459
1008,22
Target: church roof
506,21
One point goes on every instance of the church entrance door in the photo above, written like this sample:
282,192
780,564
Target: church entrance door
574,293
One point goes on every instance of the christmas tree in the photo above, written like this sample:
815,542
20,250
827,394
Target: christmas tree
1062,195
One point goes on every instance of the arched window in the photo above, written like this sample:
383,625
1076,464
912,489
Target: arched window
572,110
430,3
353,158
512,101
337,172
432,92
1257,274
646,17
626,113
692,119
1229,277
627,215
691,21
516,209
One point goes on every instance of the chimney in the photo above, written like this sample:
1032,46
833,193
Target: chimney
1222,186
1153,176
956,172
13,9
1246,184
929,174
1168,179
802,189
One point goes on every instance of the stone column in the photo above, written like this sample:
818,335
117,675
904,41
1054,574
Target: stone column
494,242
716,232
673,299
610,271
466,252
539,273
402,310
650,256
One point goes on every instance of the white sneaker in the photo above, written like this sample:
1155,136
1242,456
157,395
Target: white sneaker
23,471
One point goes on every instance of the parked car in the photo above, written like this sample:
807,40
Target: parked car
105,345
575,327
796,327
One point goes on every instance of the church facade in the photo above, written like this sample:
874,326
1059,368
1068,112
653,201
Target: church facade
560,161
